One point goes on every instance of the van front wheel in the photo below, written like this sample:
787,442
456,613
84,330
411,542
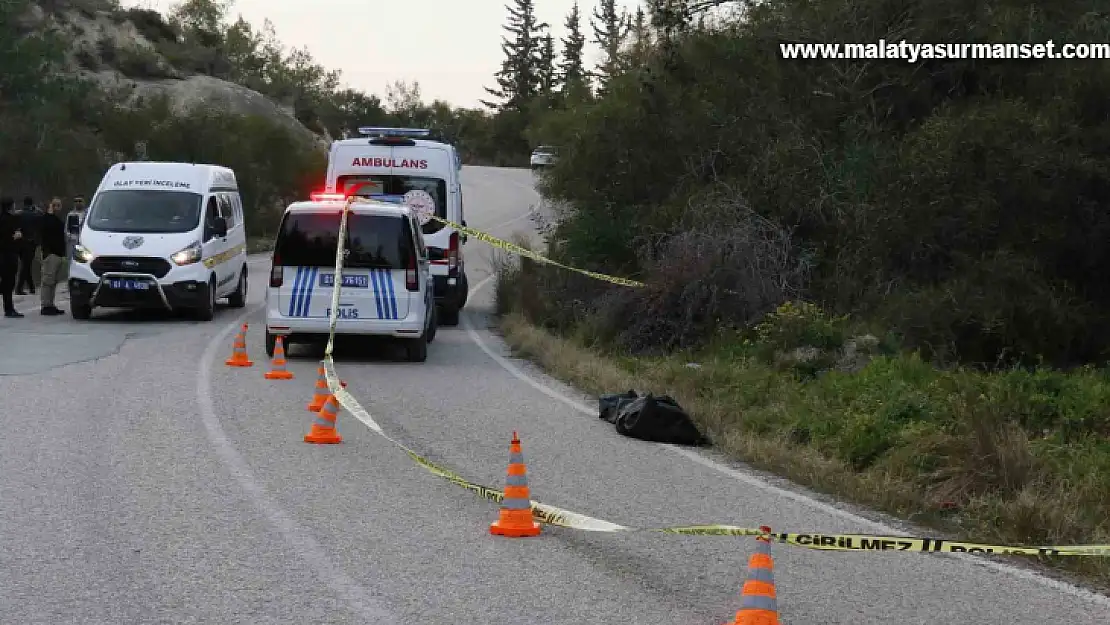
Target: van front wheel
80,310
208,310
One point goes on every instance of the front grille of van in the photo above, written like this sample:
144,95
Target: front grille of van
157,267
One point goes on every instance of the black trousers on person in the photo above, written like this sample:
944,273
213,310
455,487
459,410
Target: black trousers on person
26,268
7,280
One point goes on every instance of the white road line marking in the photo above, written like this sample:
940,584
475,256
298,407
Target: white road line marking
757,482
358,598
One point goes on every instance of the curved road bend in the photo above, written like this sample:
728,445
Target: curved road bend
141,481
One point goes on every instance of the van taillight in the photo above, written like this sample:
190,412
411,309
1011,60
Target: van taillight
276,272
410,275
453,253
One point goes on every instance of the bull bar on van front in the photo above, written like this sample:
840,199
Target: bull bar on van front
121,274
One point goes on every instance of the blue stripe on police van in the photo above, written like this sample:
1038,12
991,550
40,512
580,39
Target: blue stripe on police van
299,293
384,293
296,284
310,288
377,293
387,275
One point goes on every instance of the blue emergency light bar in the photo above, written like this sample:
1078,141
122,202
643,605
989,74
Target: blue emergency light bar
377,131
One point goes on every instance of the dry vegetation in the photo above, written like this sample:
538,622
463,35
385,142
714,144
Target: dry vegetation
892,274
1008,457
991,482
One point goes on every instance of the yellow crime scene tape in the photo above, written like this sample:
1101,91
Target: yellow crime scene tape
516,249
559,517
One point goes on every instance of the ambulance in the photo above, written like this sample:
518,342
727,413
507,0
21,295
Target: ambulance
404,166
161,235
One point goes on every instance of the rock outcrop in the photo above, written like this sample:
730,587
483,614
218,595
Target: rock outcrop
110,48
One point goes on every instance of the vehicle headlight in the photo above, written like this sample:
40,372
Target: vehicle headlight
82,254
188,256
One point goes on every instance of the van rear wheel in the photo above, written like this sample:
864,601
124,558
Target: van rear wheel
417,349
238,299
450,316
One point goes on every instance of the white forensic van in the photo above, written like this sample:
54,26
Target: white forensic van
161,235
396,165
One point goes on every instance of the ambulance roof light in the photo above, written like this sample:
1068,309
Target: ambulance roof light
381,131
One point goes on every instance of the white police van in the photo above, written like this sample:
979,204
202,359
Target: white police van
386,287
161,235
394,163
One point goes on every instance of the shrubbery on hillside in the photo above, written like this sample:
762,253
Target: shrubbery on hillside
60,132
963,204
817,236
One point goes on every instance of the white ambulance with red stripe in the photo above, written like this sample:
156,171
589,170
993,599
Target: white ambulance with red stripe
404,166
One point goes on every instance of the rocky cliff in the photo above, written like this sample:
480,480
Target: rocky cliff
109,47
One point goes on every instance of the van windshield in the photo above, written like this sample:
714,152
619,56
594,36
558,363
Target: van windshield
394,188
154,211
378,241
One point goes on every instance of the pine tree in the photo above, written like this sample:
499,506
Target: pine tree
572,69
641,39
610,31
670,17
518,82
548,72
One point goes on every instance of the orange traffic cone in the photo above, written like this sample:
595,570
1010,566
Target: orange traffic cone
277,365
758,603
515,519
239,350
320,391
323,428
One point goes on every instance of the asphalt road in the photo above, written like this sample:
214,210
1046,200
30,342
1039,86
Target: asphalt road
142,481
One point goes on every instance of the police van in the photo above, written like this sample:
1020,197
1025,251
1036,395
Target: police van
161,235
403,165
386,288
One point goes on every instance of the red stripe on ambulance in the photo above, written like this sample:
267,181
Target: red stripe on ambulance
374,161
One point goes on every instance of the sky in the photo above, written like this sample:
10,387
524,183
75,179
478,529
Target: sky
451,47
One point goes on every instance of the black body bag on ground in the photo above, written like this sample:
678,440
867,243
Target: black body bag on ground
649,418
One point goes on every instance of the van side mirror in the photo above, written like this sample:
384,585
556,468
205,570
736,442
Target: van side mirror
462,235
220,227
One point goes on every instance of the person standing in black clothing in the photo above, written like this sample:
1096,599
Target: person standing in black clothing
55,260
10,235
28,245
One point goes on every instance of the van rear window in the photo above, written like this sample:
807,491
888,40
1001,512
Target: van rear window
393,188
310,239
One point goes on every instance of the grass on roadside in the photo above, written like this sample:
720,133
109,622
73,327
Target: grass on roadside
1016,457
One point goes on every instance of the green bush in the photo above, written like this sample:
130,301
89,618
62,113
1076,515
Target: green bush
140,63
801,324
150,25
958,202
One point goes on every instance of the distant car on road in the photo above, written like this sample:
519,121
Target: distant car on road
544,156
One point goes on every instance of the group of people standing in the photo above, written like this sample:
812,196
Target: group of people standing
22,235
